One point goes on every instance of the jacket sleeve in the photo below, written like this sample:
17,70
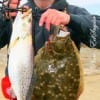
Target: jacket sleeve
85,25
5,31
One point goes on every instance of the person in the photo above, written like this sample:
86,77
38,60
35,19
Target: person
83,26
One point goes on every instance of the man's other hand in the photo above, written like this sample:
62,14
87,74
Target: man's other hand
13,4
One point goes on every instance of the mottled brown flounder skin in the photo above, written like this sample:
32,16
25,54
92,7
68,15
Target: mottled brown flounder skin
58,72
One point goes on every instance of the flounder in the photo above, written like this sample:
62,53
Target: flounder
58,71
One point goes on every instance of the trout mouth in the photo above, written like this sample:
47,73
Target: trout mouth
28,11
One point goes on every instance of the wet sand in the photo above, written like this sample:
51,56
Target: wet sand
91,64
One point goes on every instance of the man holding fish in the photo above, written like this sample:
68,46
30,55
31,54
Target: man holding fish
49,13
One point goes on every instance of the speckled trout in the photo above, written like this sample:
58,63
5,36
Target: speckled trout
20,64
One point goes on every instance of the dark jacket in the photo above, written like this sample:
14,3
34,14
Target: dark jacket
84,27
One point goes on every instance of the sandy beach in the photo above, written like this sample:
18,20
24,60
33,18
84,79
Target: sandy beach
91,65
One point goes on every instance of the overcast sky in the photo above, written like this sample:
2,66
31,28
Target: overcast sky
92,6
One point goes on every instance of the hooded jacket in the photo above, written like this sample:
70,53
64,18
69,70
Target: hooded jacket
84,27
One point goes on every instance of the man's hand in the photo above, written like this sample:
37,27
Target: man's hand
13,4
54,17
